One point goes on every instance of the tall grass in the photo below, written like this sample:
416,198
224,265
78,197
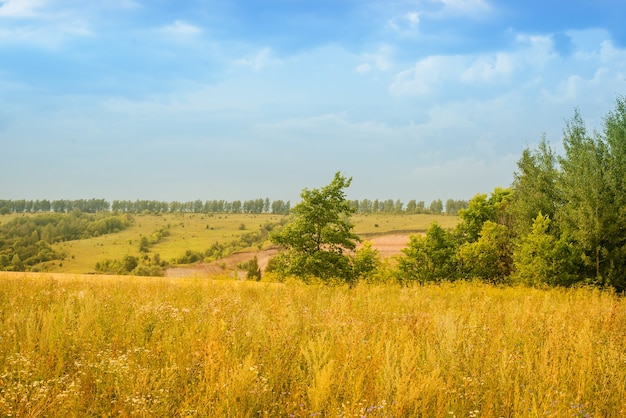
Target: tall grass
102,346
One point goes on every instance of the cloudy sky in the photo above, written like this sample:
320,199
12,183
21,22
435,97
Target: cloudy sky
217,99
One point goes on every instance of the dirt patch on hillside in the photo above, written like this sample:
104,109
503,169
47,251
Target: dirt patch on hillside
224,266
387,246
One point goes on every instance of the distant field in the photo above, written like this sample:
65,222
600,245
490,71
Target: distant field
372,225
74,346
197,232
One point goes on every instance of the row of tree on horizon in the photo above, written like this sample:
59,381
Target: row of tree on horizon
254,206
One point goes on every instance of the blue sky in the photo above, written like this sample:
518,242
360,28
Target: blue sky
215,99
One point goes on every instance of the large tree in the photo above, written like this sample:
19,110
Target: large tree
588,207
584,194
319,239
534,188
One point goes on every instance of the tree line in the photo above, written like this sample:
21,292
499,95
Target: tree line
253,206
26,241
59,206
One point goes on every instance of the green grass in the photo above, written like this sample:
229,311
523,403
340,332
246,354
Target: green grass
74,346
195,232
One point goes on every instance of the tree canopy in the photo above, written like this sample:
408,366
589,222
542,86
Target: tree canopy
319,238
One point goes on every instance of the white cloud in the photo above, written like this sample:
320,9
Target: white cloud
20,8
406,25
613,56
413,18
261,59
364,68
45,36
426,75
533,59
489,68
42,23
181,28
379,60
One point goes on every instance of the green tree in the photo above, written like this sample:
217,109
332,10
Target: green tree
436,206
488,258
129,263
253,271
587,211
320,234
615,137
411,207
478,211
429,258
366,262
16,261
534,188
144,245
481,209
542,258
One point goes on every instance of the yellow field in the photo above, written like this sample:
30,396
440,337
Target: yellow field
75,346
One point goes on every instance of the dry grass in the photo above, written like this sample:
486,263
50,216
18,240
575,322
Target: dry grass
380,224
101,346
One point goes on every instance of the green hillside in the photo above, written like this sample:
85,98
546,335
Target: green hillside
171,236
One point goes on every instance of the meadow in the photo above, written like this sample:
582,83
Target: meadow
197,232
194,232
74,346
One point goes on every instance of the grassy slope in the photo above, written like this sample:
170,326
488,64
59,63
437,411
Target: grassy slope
197,232
102,346
194,232
366,225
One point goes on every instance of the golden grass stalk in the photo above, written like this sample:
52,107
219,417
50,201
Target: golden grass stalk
102,346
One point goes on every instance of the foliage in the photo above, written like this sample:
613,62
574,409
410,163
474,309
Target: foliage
251,206
30,237
148,241
480,210
584,195
541,258
319,234
429,258
253,271
131,265
436,206
366,262
534,188
587,209
453,207
488,258
478,248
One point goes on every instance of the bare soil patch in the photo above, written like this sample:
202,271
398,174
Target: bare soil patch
390,245
222,266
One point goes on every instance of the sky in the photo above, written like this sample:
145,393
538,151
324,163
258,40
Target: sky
213,99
